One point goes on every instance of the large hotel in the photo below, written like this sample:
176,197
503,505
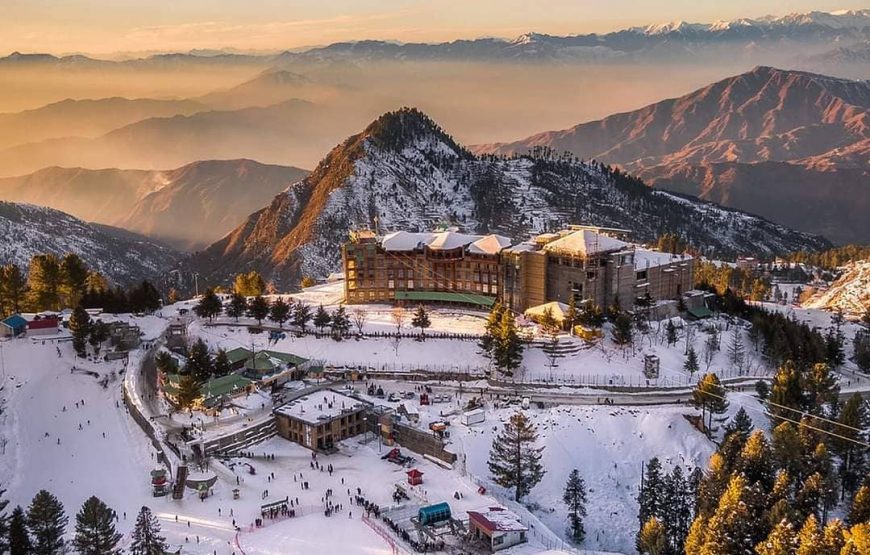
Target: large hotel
590,264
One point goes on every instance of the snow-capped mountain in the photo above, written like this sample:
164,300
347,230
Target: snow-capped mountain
850,293
404,172
791,146
120,256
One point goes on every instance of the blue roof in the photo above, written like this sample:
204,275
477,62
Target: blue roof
15,322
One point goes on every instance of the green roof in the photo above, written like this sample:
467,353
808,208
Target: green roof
287,358
445,297
700,312
224,385
261,362
238,354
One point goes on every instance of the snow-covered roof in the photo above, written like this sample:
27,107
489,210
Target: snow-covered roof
557,309
321,406
645,258
498,519
444,240
489,244
585,242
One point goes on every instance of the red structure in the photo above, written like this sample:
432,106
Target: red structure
415,477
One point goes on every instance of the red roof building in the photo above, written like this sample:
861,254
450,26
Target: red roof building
43,325
415,477
497,527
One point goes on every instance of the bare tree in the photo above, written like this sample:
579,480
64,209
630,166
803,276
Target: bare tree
399,315
359,318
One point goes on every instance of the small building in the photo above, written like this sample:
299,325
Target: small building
212,393
13,326
651,365
267,367
318,420
176,335
497,527
43,325
415,477
124,336
559,312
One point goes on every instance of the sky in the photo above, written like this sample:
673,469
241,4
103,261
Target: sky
111,26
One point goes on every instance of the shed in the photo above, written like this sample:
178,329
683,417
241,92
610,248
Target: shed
497,527
43,325
415,477
12,326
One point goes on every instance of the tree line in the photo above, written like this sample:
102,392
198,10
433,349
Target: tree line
40,529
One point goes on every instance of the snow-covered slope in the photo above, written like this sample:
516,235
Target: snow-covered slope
27,230
850,293
404,172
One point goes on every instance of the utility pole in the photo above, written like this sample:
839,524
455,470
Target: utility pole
196,283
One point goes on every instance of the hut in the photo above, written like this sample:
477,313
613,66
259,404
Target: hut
415,477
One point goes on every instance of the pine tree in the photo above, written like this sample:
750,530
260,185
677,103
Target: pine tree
651,539
4,523
43,280
755,462
820,387
780,541
857,540
146,535
853,418
741,424
80,328
279,312
622,329
258,309
691,365
73,276
13,285
786,391
199,363
188,391
509,349
713,485
733,528
489,338
514,461
95,529
302,315
810,540
209,305
99,334
571,316
46,522
676,512
321,318
697,535
19,537
808,501
834,538
709,396
238,306
421,319
860,510
340,323
651,495
575,497
250,284
221,365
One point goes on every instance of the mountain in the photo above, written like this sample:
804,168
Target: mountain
815,122
187,208
295,132
203,201
86,118
31,230
405,172
270,87
850,293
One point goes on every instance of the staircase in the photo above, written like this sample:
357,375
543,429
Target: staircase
180,480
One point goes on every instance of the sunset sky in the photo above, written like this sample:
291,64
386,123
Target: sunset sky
106,26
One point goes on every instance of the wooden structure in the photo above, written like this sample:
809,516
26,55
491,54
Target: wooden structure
415,477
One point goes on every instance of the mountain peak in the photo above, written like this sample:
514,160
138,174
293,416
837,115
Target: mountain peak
403,127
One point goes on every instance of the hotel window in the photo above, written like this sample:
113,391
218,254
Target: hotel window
485,288
351,284
351,263
590,275
391,284
410,284
641,275
494,290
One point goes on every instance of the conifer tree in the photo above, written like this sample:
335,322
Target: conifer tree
514,461
709,396
95,529
250,284
713,485
810,540
697,535
146,535
651,495
808,501
854,417
860,510
487,341
4,523
834,538
321,318
43,280
755,462
736,350
571,315
509,349
258,309
732,529
622,329
780,541
676,512
19,538
188,391
691,365
279,312
199,364
12,289
651,539
741,424
301,316
73,277
575,497
857,540
209,305
238,306
80,328
46,522
221,365
98,335
786,391
421,319
671,333
340,323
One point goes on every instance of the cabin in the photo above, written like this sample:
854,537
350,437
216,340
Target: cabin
43,325
497,528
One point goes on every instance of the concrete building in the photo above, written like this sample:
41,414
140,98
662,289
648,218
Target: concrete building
497,527
320,419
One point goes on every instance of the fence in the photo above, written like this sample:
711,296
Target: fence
140,419
324,334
